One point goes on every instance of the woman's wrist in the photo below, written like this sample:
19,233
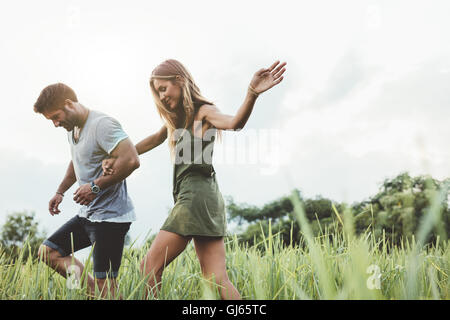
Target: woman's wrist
252,91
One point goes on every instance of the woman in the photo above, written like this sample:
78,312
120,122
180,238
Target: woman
199,211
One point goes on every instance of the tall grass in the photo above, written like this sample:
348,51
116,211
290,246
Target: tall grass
333,265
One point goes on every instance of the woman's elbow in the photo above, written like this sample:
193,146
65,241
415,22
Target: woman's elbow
237,126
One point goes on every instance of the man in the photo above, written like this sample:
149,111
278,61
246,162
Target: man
107,211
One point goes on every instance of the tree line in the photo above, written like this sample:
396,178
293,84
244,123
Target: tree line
394,213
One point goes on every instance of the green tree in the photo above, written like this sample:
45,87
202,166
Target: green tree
21,228
396,211
282,219
400,205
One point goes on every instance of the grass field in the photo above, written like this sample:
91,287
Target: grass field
329,266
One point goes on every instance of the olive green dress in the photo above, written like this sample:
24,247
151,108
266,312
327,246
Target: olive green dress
199,207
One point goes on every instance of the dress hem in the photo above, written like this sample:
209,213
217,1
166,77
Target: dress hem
193,234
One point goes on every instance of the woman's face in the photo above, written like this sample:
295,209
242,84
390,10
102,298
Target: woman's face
169,92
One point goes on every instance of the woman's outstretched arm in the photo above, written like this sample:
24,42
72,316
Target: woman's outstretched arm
263,80
152,141
142,146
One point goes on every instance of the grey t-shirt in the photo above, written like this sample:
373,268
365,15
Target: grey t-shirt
98,138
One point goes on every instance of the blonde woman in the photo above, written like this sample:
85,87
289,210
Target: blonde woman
191,122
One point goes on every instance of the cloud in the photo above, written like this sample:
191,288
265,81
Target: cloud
348,75
376,127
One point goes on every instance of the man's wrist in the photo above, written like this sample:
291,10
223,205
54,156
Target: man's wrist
95,188
60,193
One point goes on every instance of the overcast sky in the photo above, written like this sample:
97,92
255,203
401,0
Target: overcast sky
365,95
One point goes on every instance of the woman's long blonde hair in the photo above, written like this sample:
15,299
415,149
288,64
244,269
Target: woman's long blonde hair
192,99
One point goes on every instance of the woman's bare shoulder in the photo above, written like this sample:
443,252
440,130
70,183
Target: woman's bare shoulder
206,109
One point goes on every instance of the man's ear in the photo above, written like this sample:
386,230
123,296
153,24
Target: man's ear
69,103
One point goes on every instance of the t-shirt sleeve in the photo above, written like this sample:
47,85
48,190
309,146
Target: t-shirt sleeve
109,133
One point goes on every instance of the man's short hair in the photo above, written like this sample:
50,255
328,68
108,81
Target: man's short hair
53,97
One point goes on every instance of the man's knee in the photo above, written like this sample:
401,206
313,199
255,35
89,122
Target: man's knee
46,254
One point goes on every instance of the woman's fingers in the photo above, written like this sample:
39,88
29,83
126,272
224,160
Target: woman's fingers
107,167
277,81
274,68
279,73
274,65
278,69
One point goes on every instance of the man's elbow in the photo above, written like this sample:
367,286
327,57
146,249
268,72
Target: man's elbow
134,163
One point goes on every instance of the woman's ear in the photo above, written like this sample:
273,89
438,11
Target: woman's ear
179,79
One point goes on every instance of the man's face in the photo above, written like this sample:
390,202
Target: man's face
61,117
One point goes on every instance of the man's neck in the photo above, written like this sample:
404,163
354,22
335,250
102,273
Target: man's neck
84,114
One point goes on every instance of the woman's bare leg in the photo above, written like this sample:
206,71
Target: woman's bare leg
164,249
211,253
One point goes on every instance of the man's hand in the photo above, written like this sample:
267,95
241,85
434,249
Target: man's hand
54,203
84,195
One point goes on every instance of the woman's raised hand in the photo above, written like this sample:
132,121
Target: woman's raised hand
264,79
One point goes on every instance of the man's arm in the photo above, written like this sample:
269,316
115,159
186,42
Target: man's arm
127,161
68,181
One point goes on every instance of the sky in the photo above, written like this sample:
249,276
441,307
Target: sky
365,95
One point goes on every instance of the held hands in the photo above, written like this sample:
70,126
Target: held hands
107,166
84,195
264,79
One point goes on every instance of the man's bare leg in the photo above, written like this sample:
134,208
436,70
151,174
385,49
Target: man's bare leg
62,264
